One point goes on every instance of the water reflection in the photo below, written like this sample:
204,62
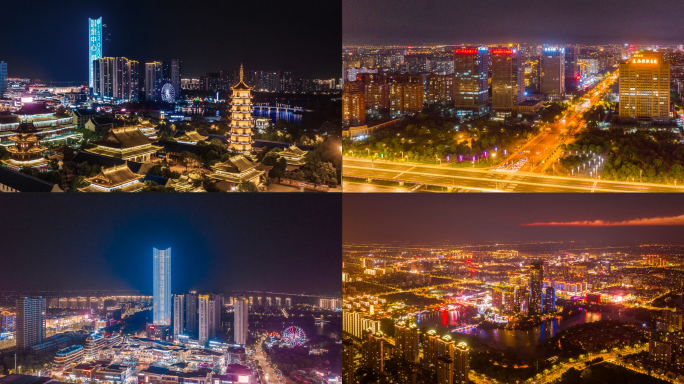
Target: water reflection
276,114
526,342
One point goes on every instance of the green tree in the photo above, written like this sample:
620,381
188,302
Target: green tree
247,187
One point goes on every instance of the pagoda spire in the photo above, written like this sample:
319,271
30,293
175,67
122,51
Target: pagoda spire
241,72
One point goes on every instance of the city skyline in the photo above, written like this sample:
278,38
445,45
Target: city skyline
226,38
432,22
625,219
235,248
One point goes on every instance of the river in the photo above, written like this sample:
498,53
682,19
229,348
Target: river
526,343
276,114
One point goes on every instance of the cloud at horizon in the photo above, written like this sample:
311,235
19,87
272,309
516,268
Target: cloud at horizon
647,221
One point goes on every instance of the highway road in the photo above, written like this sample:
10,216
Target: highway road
489,180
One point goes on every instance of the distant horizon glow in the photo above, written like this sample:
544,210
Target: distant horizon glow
674,220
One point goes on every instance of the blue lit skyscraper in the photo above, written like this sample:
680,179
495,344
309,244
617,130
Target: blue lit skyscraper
3,77
162,286
94,45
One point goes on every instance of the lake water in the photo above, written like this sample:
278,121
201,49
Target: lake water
275,114
527,342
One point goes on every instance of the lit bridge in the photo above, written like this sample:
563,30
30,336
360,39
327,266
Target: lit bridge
465,328
278,107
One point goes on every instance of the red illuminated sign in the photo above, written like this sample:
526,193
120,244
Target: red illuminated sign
502,51
465,51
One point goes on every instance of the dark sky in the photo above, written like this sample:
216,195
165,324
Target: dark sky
473,218
276,242
504,21
49,39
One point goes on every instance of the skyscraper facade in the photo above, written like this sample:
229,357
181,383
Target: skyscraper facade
3,78
439,89
552,73
471,83
549,300
162,287
215,305
508,79
240,322
203,316
153,81
191,313
94,46
353,104
536,278
178,315
115,79
31,313
644,88
171,74
572,73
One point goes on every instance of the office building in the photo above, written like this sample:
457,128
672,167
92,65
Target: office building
203,316
288,301
552,73
3,78
178,315
549,300
445,370
31,313
471,80
439,89
240,322
162,287
572,72
153,81
171,74
353,104
241,116
94,46
215,305
644,88
115,79
508,79
285,81
536,278
191,313
66,356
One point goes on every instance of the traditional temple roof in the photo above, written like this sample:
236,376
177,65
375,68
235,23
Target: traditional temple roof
104,161
189,136
33,109
111,178
293,151
22,182
25,128
124,138
241,86
185,184
237,169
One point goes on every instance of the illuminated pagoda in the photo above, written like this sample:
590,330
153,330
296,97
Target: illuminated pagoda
189,137
241,117
294,156
126,143
26,152
50,126
117,177
147,129
238,169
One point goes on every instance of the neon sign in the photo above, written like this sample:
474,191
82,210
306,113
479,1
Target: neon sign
94,44
502,51
465,51
645,61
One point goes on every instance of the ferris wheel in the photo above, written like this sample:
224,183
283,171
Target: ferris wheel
168,94
293,336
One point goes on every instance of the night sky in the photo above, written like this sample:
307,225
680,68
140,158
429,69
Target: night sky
467,219
49,40
267,242
508,21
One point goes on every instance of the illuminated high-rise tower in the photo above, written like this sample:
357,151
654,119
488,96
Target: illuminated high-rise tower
241,116
162,287
240,322
536,278
644,88
94,45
